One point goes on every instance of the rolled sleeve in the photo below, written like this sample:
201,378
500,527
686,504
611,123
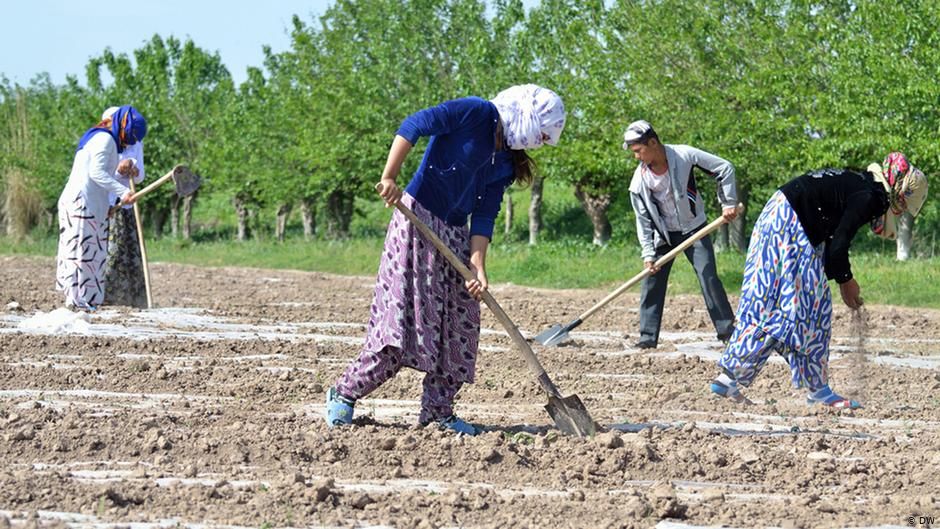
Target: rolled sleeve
482,225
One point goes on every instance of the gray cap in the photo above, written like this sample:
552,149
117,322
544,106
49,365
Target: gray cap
636,132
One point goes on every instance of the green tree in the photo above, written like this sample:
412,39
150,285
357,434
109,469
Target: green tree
570,43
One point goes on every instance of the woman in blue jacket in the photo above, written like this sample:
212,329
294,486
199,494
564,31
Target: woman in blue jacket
424,315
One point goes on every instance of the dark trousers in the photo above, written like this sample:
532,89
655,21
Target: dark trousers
653,295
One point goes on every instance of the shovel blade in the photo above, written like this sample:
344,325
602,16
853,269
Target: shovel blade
561,336
185,181
551,336
570,416
557,334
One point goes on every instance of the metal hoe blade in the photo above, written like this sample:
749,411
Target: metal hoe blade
185,181
570,416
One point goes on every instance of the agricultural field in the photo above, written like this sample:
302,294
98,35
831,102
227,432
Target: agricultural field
208,411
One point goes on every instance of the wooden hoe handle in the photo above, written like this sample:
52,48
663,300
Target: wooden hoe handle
712,226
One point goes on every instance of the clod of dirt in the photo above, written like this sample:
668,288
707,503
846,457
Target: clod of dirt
637,507
323,488
713,496
22,434
361,500
609,440
489,455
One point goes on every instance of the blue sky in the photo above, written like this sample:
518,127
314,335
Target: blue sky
59,36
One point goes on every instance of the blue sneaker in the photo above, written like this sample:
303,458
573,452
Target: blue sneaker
729,391
458,425
827,397
339,409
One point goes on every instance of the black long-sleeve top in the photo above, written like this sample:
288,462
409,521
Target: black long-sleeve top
832,204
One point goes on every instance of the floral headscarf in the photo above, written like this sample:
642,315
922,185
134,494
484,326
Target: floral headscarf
902,179
906,186
531,115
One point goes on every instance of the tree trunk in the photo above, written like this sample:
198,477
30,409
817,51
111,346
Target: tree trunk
738,234
308,211
535,211
255,230
283,211
507,227
596,207
905,236
721,238
241,209
339,211
159,221
175,215
187,226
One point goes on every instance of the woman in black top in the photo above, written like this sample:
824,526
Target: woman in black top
801,239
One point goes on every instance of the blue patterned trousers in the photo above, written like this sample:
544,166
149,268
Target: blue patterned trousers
785,305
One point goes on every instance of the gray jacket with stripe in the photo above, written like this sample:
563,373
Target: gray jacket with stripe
687,200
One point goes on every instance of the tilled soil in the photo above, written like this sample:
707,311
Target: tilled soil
209,409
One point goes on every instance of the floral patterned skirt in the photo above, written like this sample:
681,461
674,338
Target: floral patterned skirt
125,276
420,303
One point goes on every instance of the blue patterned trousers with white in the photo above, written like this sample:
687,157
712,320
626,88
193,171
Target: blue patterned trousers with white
785,305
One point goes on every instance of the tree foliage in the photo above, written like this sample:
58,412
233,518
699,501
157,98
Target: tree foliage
776,86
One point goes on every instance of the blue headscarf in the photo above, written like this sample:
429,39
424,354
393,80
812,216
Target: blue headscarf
126,119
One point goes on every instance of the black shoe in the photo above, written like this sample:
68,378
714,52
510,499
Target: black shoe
645,344
724,338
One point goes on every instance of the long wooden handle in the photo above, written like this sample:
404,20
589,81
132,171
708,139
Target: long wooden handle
157,183
534,365
143,250
712,226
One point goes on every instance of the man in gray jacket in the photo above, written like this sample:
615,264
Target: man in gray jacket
669,209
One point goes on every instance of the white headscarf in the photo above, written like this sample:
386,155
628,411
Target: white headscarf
109,112
527,112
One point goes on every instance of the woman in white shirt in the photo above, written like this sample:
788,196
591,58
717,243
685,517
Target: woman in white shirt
82,256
